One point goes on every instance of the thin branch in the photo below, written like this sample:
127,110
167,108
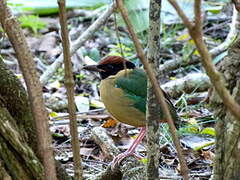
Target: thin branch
78,43
159,94
177,62
193,82
119,40
213,74
69,83
232,35
34,88
197,13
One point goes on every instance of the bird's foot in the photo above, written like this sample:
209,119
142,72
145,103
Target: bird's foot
117,160
131,150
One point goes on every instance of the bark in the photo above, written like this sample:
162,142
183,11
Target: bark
151,116
24,166
15,99
25,58
17,146
3,173
228,127
16,119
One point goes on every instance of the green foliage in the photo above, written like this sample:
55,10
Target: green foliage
32,22
190,129
166,136
195,126
182,103
169,34
46,7
144,160
93,53
138,11
203,146
115,50
208,131
134,86
80,76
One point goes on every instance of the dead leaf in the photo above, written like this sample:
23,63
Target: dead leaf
208,155
86,151
110,123
48,42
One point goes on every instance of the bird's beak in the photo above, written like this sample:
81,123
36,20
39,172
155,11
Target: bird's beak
92,68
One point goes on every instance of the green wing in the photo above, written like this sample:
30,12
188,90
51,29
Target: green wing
134,86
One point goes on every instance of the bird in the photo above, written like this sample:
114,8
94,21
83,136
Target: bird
123,90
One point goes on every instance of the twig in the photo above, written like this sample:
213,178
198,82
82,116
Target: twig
126,167
175,63
106,143
78,43
180,62
34,88
118,37
119,40
194,82
218,83
156,86
69,83
234,29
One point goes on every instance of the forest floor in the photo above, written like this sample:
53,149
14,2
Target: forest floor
197,134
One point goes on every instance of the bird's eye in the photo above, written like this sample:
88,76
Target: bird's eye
110,66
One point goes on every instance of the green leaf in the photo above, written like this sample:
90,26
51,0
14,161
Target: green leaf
53,114
45,7
32,22
94,54
144,160
209,131
203,146
138,11
215,9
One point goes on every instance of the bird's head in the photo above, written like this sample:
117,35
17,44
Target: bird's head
110,65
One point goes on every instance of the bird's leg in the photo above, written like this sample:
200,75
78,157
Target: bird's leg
131,150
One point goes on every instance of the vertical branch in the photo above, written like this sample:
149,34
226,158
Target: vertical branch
78,43
156,87
118,36
119,40
34,88
153,57
197,15
69,83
